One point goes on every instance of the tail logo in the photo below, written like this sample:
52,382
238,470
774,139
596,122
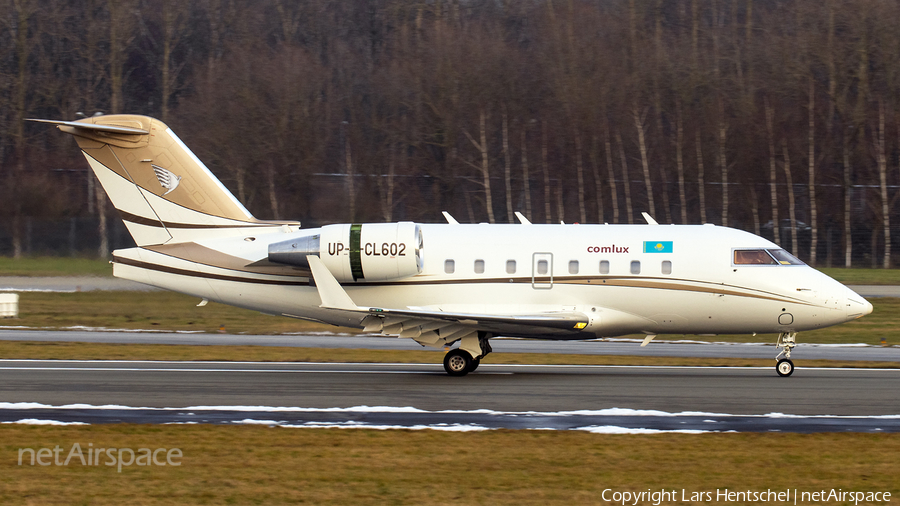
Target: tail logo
167,179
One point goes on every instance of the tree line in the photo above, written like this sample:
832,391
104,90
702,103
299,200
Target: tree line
776,116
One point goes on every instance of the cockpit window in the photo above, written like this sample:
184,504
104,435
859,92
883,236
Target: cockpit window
764,257
784,258
753,257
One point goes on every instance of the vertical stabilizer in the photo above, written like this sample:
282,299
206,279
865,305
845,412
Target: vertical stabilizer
162,191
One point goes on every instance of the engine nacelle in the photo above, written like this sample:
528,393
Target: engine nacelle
358,252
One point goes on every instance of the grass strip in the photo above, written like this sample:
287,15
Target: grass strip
165,311
261,465
168,311
863,276
93,351
54,266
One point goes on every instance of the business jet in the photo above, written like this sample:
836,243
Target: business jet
441,284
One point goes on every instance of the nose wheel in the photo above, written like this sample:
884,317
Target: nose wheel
785,367
786,342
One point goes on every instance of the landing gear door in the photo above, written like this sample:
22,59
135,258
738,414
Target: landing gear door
542,271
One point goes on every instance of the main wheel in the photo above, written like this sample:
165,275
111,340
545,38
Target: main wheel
475,364
457,362
784,367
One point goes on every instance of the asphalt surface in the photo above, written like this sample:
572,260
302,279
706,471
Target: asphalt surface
554,397
657,348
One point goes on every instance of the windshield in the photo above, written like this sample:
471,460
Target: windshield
753,257
764,257
784,258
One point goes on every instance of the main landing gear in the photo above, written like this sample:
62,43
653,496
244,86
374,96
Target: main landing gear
465,359
786,341
458,362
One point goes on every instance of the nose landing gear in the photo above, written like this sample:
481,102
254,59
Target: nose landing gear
786,341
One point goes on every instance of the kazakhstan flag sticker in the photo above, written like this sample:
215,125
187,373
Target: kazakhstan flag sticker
657,246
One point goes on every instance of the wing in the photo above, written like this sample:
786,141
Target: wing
438,328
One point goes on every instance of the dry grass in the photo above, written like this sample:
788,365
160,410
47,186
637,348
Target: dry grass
149,310
54,266
258,465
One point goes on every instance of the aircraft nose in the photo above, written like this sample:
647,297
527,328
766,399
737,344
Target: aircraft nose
857,306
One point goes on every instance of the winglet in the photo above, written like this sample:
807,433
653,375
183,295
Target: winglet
450,219
330,291
522,219
650,220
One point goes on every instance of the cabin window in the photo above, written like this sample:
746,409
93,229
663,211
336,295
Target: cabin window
753,257
510,266
479,266
573,266
543,267
635,266
449,266
604,266
667,267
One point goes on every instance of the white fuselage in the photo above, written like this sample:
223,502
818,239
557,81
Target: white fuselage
652,279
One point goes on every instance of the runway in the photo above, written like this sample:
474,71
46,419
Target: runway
422,396
661,347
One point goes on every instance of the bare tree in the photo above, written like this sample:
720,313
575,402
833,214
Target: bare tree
773,178
545,167
611,171
790,187
679,161
526,177
507,167
174,15
813,209
881,158
648,183
848,236
701,181
579,170
482,148
626,182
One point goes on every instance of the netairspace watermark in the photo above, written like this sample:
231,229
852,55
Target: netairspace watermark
90,456
786,496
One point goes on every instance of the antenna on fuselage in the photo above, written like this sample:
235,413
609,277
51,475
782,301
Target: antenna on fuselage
650,220
522,219
450,219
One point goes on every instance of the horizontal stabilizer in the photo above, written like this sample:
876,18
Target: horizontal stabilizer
113,129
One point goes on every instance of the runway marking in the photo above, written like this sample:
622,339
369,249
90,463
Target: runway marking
235,370
154,369
373,368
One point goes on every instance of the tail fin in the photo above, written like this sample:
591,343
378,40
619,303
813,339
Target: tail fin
163,192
